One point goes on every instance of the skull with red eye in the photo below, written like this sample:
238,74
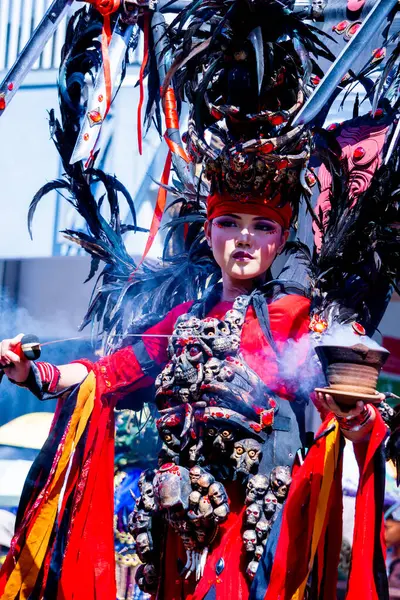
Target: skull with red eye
249,540
253,514
270,504
280,479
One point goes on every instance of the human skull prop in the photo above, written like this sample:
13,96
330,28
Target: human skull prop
249,540
235,320
172,487
262,530
139,521
205,507
221,513
194,476
187,325
226,373
270,504
204,482
147,496
220,437
217,494
246,456
211,369
252,569
280,480
241,303
257,488
143,546
253,514
259,551
194,500
151,576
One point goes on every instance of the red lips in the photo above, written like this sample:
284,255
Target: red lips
241,254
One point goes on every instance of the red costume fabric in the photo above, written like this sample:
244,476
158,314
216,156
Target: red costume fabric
121,373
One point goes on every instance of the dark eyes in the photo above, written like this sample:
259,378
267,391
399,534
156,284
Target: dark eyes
265,227
225,223
258,226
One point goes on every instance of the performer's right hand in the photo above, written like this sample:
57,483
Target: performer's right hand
16,368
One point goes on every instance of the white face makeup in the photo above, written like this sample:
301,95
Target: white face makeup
243,245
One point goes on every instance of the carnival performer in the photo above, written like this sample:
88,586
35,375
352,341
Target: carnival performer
244,501
229,342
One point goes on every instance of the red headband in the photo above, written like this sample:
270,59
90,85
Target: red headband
223,204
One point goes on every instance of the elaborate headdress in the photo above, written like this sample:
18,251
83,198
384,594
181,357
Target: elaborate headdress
250,73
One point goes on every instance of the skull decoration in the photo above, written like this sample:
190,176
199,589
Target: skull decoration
221,513
253,514
252,569
194,476
205,507
146,578
219,440
280,480
226,373
217,494
257,488
250,540
143,546
241,303
147,496
235,320
262,530
259,552
204,482
139,521
194,500
270,504
187,324
172,487
165,379
211,369
217,335
246,456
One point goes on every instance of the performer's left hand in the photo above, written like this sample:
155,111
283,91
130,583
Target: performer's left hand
326,403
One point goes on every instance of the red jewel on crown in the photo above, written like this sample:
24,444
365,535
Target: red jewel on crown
277,119
358,328
340,27
352,30
359,153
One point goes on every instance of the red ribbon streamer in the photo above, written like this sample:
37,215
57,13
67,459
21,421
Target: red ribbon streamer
141,77
170,110
158,211
176,149
106,8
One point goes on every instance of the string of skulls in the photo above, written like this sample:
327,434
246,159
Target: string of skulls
215,415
